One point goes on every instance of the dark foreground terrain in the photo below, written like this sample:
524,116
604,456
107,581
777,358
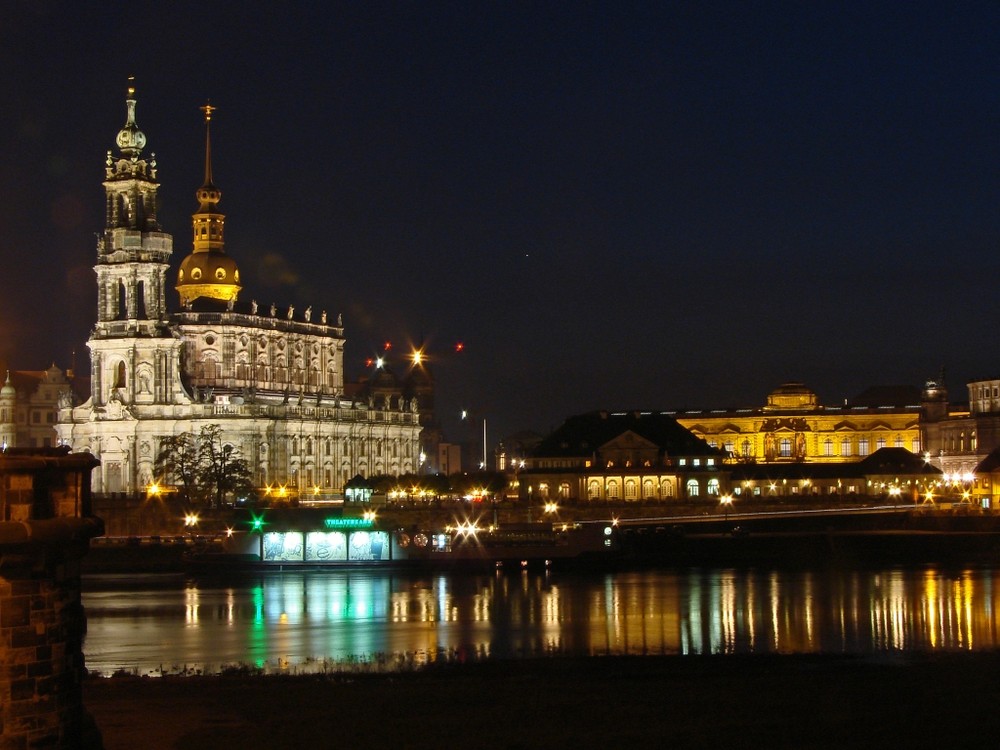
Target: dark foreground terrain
933,701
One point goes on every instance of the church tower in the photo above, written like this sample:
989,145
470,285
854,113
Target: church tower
208,272
133,353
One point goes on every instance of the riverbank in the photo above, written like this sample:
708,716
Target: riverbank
916,701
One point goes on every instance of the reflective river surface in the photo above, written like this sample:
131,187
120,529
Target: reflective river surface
314,621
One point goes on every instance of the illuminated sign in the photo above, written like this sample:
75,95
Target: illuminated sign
347,523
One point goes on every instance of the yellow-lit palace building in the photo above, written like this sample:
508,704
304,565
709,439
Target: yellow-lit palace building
793,427
898,443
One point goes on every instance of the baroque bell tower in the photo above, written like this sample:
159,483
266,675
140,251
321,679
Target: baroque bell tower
133,354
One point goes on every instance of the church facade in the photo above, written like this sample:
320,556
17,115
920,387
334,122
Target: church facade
272,380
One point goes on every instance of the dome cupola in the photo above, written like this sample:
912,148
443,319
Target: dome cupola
208,271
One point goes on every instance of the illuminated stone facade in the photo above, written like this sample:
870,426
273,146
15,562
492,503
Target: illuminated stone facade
29,402
620,457
272,380
793,427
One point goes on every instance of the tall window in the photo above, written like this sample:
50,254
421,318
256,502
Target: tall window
785,448
915,445
863,446
612,490
593,490
692,488
900,443
845,446
119,375
828,447
667,488
879,443
713,487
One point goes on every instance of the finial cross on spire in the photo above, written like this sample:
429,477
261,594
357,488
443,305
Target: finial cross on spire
208,109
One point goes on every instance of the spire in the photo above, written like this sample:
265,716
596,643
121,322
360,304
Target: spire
208,271
208,109
130,139
208,195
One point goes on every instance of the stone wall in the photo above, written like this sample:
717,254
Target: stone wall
44,533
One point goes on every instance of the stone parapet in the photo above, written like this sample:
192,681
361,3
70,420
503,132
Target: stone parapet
43,536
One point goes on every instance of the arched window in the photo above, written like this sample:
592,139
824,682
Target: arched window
594,490
693,490
648,489
119,381
667,488
612,490
713,487
564,490
630,489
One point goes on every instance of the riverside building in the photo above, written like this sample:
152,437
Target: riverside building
272,379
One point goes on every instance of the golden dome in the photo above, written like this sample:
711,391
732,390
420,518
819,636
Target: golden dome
210,274
791,397
208,271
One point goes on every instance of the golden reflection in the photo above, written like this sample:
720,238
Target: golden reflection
774,598
191,599
669,612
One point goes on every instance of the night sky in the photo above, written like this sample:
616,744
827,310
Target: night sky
620,206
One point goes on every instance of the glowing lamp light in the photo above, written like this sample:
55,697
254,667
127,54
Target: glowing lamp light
418,356
191,520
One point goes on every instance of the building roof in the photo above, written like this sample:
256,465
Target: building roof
884,461
896,461
989,464
584,434
888,395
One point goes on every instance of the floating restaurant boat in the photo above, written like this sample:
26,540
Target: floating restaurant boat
307,540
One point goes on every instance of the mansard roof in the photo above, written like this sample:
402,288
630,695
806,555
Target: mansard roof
896,461
584,434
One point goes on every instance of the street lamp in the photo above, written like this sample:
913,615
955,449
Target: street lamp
727,502
894,493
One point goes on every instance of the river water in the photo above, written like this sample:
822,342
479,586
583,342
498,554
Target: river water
381,620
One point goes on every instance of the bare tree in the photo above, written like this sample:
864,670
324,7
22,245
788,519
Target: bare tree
204,467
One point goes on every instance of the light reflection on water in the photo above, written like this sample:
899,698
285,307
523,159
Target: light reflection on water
389,620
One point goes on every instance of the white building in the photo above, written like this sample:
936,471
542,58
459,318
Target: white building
272,380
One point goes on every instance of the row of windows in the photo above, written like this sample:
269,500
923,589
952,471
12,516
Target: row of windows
629,489
846,446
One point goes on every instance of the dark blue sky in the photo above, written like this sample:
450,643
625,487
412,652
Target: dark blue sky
612,205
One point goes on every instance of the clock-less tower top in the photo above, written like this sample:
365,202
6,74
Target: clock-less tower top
208,271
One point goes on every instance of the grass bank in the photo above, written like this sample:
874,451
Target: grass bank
922,701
